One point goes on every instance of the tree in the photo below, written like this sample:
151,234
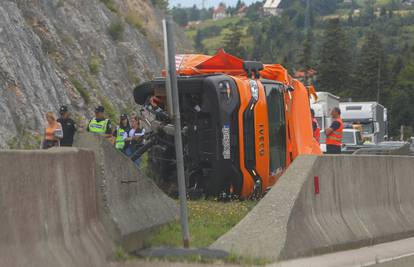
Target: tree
180,16
194,14
371,74
232,42
334,65
198,41
306,57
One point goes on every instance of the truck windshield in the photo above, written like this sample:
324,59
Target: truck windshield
277,126
368,128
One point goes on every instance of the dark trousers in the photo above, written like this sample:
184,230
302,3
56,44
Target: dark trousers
333,149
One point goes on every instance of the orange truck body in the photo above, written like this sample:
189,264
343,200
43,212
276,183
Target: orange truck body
297,136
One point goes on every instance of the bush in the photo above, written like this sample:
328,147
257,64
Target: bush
116,30
109,109
161,4
110,5
135,21
80,88
94,64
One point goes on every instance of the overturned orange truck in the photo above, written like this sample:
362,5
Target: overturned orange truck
243,124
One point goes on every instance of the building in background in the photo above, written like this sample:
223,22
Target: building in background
220,12
271,8
242,11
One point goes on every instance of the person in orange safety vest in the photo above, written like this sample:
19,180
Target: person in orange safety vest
334,133
315,127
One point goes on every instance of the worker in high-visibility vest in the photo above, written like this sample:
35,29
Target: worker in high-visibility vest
99,124
315,127
121,132
334,133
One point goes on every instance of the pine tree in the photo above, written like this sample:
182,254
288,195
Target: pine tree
334,65
306,56
371,77
198,41
232,42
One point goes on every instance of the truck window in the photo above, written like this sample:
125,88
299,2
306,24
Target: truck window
368,128
277,126
348,138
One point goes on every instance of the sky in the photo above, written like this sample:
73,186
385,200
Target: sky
208,3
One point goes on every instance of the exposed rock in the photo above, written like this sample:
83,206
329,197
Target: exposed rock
55,52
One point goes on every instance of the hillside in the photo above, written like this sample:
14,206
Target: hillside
73,52
361,50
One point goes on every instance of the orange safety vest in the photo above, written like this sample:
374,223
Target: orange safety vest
335,138
317,132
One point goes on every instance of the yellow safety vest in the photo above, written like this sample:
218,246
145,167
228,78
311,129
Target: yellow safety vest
120,140
98,127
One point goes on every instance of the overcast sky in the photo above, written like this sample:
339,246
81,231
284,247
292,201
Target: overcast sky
208,3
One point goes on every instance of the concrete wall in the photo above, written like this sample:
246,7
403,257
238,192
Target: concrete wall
131,204
48,209
362,200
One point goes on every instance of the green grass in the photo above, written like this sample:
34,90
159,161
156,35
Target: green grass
109,108
80,88
208,220
111,5
135,21
94,65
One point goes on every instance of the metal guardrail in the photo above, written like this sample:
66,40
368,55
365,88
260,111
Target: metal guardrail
404,150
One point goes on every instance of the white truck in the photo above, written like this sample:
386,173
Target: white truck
323,107
370,115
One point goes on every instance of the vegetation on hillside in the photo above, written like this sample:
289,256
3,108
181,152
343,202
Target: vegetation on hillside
362,50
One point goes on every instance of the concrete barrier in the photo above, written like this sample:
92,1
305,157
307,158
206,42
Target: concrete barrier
362,200
48,208
131,204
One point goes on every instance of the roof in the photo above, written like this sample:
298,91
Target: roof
242,9
272,3
220,9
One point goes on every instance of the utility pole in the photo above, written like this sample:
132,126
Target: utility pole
308,42
307,17
379,80
173,94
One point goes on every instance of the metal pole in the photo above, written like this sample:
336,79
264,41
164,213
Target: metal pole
167,69
177,130
378,80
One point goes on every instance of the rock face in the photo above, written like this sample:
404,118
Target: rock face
73,52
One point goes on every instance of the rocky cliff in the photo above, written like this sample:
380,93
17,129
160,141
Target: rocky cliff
75,52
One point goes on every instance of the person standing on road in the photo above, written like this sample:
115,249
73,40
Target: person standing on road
53,132
135,138
121,133
68,126
334,133
315,127
99,124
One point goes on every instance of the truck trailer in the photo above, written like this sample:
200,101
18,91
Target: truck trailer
243,123
323,106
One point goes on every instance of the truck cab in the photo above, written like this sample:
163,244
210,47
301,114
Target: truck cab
243,123
369,116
